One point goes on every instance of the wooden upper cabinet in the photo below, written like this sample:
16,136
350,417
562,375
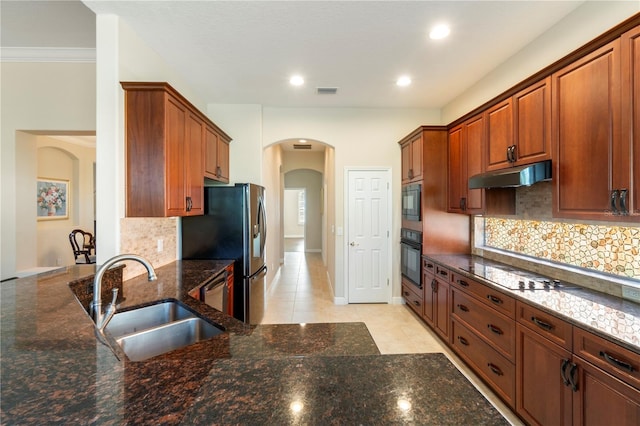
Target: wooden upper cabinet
630,139
532,112
587,137
216,155
519,128
165,152
412,159
500,138
466,143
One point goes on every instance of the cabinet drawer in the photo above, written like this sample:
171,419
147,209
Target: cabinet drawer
499,301
553,328
428,266
495,328
616,360
412,299
443,273
487,363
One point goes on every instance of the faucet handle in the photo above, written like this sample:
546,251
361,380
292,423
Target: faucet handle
115,296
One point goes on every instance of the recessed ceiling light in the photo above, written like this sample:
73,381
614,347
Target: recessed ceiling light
439,32
302,141
296,80
403,81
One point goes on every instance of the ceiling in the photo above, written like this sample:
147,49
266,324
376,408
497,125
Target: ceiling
244,52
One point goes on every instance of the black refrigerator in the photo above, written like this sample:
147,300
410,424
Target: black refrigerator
233,227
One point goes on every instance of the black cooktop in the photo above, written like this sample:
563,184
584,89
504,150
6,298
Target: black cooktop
513,278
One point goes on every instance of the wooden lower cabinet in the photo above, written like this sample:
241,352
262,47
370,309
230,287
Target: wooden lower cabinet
542,398
601,399
487,363
412,295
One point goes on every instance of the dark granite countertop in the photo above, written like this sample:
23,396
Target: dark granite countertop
608,316
54,369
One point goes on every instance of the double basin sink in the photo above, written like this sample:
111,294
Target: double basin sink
150,331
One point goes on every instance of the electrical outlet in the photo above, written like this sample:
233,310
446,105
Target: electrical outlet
631,293
160,245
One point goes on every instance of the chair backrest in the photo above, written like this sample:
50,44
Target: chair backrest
82,244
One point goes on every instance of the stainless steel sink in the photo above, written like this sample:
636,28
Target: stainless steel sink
162,339
149,331
140,319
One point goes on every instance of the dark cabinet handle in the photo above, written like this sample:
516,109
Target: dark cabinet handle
463,308
429,265
513,153
463,204
410,173
616,362
463,340
508,154
406,293
434,285
189,204
614,197
495,329
542,324
443,272
494,299
572,377
495,369
463,283
624,210
563,372
415,302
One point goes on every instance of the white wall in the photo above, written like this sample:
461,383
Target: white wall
273,182
576,29
36,97
311,182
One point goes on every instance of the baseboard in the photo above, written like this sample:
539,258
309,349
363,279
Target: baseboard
294,236
340,300
313,250
398,300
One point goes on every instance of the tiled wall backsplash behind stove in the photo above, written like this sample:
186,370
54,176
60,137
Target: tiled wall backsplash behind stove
597,246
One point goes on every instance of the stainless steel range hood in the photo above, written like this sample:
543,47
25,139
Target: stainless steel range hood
513,177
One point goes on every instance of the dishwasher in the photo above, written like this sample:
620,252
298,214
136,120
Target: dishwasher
215,292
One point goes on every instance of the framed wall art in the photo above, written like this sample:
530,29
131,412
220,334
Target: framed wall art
52,199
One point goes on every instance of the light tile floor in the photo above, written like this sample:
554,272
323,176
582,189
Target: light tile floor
301,293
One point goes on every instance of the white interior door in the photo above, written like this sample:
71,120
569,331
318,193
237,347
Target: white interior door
368,236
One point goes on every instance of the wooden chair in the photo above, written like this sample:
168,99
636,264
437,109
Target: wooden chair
83,244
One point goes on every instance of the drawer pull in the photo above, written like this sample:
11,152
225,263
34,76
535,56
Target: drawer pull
495,329
463,283
494,299
616,362
415,302
443,272
495,369
463,340
563,372
572,377
434,285
429,265
406,293
542,324
463,308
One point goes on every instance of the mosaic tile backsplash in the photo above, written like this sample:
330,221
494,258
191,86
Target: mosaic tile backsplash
609,249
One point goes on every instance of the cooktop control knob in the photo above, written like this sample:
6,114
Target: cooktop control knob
532,284
521,284
556,283
546,283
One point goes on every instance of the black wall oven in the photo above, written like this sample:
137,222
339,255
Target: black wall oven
411,202
410,255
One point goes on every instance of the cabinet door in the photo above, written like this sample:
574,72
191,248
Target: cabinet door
474,143
532,109
406,162
586,128
601,399
456,172
211,153
429,284
223,160
630,122
499,135
542,398
416,158
441,308
176,115
194,179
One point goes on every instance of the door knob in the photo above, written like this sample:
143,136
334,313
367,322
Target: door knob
353,244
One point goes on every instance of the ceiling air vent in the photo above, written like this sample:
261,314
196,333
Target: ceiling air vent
300,146
326,90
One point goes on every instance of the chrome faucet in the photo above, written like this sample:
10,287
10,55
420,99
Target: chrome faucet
96,306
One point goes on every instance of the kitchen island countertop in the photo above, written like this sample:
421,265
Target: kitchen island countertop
54,370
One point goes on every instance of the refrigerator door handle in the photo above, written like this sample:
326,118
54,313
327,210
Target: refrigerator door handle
263,223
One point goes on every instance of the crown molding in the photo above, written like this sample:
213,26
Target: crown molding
47,54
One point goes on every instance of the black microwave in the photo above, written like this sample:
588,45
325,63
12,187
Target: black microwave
411,202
